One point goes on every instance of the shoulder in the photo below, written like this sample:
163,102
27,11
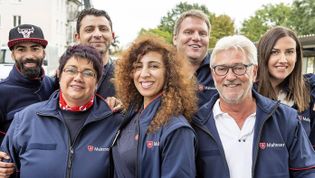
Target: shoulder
33,108
285,117
23,118
5,83
47,80
310,80
176,122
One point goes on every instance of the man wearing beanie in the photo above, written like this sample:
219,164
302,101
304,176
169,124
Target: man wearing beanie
26,83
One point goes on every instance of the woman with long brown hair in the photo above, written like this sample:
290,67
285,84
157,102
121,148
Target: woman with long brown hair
280,77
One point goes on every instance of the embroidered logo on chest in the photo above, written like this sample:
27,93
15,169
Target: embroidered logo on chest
150,144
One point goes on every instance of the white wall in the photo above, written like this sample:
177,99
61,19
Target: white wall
50,15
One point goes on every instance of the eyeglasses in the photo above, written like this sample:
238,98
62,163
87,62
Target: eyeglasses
238,69
74,72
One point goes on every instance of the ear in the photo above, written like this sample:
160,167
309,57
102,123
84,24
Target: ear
77,37
255,72
57,73
12,55
113,35
174,40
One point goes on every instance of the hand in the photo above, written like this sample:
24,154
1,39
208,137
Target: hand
114,104
6,169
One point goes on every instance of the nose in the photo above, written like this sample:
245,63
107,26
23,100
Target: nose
283,57
196,36
230,75
144,72
78,77
29,54
97,33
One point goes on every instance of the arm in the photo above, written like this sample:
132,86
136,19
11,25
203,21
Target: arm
8,147
178,154
302,155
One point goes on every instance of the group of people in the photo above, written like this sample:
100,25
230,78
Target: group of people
236,112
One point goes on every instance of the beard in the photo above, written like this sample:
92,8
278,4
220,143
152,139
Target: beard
30,72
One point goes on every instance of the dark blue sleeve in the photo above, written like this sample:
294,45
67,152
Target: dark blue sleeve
302,155
178,154
9,145
310,78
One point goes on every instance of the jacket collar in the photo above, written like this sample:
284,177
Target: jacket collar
205,62
100,110
264,107
18,78
150,111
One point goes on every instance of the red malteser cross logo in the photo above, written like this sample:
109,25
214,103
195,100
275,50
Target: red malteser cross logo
90,148
149,144
262,145
201,87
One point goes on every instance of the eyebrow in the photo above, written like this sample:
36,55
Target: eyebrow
74,66
22,46
285,49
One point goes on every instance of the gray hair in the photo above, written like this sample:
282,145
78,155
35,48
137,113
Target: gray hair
238,42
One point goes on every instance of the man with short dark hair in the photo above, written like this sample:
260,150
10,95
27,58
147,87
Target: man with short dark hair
94,27
27,82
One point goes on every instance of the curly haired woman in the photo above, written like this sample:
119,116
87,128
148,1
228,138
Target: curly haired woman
157,139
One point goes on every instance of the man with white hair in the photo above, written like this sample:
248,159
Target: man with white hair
242,134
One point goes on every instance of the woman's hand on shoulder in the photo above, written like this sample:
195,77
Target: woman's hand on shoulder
114,104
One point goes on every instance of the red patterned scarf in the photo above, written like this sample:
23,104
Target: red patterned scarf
64,106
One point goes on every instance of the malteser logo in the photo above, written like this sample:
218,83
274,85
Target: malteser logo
305,119
26,32
264,145
151,144
92,148
202,88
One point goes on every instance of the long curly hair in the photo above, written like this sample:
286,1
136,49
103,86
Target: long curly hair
295,84
179,90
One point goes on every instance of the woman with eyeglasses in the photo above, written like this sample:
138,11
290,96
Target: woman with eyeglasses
156,140
280,77
70,134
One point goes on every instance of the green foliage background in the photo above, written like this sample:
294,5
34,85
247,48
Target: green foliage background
299,16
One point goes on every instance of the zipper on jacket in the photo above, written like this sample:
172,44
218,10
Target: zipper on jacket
220,150
138,162
71,148
259,135
69,164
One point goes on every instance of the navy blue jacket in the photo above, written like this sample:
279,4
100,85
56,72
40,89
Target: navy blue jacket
167,152
39,144
308,116
105,85
17,92
206,88
280,148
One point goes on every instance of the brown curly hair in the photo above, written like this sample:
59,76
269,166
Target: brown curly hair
179,91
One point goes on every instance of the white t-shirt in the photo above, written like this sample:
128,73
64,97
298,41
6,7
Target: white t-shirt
237,143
